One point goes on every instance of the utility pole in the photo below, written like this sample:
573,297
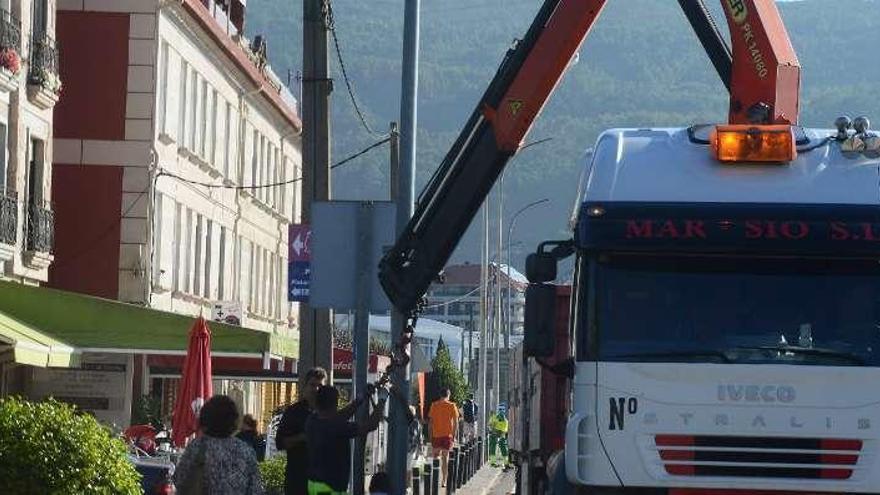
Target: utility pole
400,378
499,313
484,320
316,337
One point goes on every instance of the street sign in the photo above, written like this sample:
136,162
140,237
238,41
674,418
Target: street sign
337,251
299,254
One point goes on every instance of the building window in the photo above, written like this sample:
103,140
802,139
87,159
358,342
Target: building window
184,101
270,286
157,258
40,224
227,138
209,232
41,18
203,119
191,110
212,130
197,272
188,252
276,174
261,165
177,246
221,266
162,91
254,159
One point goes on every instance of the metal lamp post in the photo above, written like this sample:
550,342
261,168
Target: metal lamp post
509,237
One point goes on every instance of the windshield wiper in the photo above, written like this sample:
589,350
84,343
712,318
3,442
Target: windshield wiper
808,351
676,354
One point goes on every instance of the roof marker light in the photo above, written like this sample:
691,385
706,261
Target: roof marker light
750,143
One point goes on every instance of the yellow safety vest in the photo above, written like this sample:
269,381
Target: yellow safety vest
498,424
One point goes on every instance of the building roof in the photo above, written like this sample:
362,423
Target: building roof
261,79
469,274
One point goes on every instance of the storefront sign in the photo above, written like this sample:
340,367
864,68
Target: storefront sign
100,386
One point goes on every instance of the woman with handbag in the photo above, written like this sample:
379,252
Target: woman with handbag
216,462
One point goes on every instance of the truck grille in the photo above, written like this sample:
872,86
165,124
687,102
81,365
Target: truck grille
758,457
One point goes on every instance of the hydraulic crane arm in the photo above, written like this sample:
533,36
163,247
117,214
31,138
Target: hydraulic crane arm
527,76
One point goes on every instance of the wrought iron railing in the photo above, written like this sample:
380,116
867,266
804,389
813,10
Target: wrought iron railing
8,217
43,68
10,31
40,229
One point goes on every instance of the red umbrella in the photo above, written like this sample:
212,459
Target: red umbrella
195,383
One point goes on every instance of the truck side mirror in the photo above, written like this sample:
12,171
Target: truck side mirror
541,267
540,320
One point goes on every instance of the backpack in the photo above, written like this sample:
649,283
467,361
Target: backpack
470,411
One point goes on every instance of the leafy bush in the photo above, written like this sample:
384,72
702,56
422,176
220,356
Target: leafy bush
272,472
49,447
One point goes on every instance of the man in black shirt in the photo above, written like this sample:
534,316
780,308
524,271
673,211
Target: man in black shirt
328,436
291,434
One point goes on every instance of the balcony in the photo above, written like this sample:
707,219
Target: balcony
40,234
44,84
8,224
10,51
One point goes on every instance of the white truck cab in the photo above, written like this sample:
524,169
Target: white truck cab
726,317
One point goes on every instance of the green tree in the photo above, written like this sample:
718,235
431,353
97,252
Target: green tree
50,447
447,375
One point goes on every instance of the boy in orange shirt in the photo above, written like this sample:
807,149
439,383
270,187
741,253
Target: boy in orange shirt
443,423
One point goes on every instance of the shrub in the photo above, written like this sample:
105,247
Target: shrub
272,472
49,447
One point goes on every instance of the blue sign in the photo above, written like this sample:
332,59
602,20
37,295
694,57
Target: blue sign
299,275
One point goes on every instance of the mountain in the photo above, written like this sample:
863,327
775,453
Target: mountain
641,66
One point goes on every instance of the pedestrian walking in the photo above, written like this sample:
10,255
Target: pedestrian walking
443,424
249,435
328,436
216,462
498,426
469,410
291,434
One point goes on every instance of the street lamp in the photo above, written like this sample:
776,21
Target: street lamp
509,245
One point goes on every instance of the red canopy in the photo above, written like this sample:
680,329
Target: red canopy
195,383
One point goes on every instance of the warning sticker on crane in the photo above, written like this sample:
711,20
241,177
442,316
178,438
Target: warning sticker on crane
738,11
515,106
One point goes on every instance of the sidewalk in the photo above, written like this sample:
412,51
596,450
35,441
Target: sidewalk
482,482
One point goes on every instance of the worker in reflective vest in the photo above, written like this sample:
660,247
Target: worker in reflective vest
498,426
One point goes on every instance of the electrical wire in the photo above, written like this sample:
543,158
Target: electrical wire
460,298
360,114
165,173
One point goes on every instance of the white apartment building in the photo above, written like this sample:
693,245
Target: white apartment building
29,89
191,161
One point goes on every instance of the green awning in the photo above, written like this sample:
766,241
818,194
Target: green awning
27,345
91,323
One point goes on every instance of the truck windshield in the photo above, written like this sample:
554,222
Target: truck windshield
738,310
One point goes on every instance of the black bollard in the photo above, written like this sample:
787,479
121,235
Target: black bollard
426,478
416,478
451,471
471,450
435,476
462,469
